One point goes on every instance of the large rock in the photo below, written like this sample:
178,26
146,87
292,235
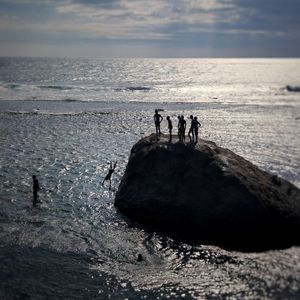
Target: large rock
208,194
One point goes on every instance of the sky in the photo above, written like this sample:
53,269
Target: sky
150,28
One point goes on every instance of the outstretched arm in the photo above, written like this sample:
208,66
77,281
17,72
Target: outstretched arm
115,164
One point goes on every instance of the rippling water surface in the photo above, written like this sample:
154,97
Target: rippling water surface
64,120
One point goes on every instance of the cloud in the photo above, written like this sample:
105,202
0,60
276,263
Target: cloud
97,3
136,16
178,16
167,18
194,23
268,15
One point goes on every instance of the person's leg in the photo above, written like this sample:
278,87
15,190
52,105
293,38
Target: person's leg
105,178
35,196
156,129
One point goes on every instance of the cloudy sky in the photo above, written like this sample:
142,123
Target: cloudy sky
150,28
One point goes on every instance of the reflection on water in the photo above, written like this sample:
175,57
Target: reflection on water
76,223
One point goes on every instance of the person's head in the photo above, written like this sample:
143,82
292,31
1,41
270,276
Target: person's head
156,111
178,117
168,117
182,117
140,257
33,177
191,117
196,118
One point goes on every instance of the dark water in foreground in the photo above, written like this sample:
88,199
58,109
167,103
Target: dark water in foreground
32,273
74,244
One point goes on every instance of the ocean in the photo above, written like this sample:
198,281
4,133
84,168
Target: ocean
64,120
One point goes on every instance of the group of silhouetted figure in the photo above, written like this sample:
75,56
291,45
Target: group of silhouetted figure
192,133
36,186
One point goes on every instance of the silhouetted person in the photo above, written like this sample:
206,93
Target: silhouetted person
139,258
178,126
196,128
35,189
157,120
182,127
170,127
192,130
108,176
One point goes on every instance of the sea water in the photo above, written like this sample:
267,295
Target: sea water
64,120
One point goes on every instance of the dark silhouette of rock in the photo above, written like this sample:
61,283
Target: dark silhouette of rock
207,194
292,88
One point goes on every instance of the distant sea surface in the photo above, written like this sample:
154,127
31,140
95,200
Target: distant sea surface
65,119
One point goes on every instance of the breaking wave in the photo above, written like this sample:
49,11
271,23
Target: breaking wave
17,86
43,112
56,87
27,87
134,88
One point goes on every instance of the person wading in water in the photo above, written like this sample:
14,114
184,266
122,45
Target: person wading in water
35,189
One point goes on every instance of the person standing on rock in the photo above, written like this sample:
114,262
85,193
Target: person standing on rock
196,128
157,120
170,127
182,127
178,126
192,130
108,176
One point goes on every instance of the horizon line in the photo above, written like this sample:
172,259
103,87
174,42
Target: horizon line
153,57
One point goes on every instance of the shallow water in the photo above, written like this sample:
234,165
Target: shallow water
74,244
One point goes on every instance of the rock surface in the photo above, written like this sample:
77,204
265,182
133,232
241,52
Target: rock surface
208,194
